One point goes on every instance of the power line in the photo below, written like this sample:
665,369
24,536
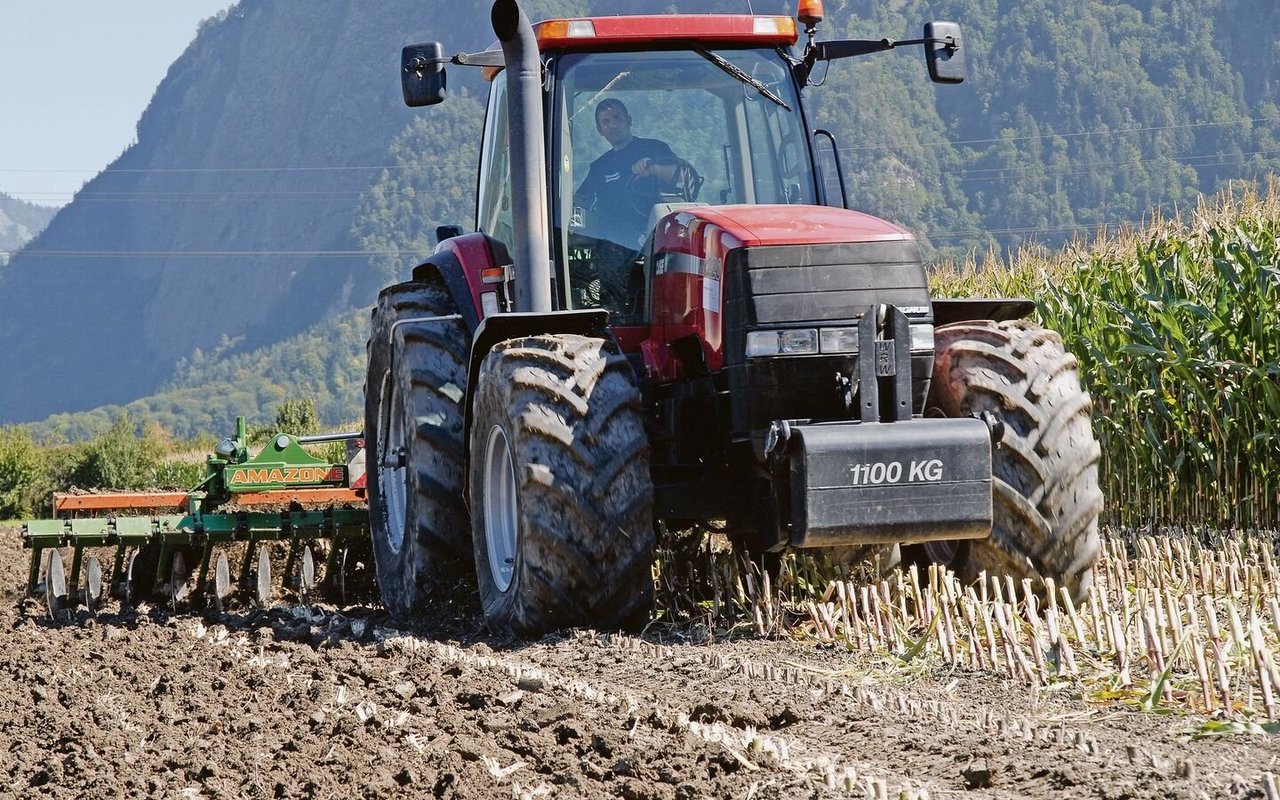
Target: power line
164,170
1097,132
210,253
1214,160
429,167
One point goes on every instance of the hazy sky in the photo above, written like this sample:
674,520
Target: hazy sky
75,76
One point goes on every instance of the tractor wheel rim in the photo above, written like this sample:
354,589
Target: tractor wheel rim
501,521
392,477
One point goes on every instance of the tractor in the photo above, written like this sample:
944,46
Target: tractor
545,394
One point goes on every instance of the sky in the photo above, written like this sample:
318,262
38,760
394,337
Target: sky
75,76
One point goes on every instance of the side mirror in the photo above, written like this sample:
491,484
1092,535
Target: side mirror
422,74
943,53
447,232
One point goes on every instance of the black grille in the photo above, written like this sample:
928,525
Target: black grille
812,285
824,283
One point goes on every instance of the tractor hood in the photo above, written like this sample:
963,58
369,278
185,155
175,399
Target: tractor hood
770,225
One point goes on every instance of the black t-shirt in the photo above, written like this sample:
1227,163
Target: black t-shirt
616,202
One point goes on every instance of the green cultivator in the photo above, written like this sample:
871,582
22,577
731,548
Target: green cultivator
244,503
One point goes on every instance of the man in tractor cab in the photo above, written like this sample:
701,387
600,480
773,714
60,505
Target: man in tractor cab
614,201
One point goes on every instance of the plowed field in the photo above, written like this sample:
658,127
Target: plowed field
337,702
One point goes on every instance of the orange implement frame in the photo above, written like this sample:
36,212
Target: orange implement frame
280,496
119,500
123,501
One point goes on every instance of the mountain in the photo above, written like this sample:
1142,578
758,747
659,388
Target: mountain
223,219
278,181
19,223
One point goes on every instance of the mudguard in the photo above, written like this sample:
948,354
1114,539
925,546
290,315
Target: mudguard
501,327
458,262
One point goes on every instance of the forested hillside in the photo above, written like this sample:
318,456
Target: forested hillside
278,181
19,223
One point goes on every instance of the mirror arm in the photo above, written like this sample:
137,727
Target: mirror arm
841,48
948,42
419,63
850,48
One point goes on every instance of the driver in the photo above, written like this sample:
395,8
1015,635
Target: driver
624,183
616,197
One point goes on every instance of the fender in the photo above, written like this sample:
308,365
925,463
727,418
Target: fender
947,310
458,261
502,327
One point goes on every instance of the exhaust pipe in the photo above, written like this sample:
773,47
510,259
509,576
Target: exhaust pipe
532,254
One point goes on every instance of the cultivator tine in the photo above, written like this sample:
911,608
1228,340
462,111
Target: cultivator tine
341,575
93,584
77,555
290,563
246,567
264,577
221,581
55,585
117,570
202,587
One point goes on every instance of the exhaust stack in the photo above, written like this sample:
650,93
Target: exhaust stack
530,249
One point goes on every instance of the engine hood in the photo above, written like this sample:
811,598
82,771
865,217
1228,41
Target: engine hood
765,225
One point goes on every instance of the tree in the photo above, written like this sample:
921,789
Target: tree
21,473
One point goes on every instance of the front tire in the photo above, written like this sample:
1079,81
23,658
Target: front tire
1046,500
560,489
413,423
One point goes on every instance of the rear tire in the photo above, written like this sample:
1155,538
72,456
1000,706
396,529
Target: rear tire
560,489
1046,500
413,422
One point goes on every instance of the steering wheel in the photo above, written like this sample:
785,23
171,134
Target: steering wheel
645,190
686,179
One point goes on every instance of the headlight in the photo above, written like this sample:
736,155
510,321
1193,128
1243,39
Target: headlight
921,338
839,340
782,343
808,341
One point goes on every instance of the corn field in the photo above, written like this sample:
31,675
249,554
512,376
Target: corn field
1177,329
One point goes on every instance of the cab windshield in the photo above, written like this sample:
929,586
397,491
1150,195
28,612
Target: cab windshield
637,135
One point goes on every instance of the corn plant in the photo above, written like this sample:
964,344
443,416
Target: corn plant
1175,328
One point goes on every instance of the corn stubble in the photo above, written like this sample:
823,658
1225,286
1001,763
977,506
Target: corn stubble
1170,623
1185,622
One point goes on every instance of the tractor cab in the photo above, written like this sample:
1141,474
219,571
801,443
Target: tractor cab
642,122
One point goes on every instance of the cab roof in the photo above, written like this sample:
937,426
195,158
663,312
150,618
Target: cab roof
590,33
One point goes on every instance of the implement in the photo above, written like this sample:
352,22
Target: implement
281,494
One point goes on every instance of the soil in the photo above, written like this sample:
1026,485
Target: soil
294,702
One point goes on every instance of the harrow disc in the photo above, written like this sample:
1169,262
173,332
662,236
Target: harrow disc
178,575
341,577
93,583
55,585
264,577
221,581
308,575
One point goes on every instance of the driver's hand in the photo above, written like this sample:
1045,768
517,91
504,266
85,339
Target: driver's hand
641,168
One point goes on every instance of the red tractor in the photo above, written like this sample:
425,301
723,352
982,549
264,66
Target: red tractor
691,329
